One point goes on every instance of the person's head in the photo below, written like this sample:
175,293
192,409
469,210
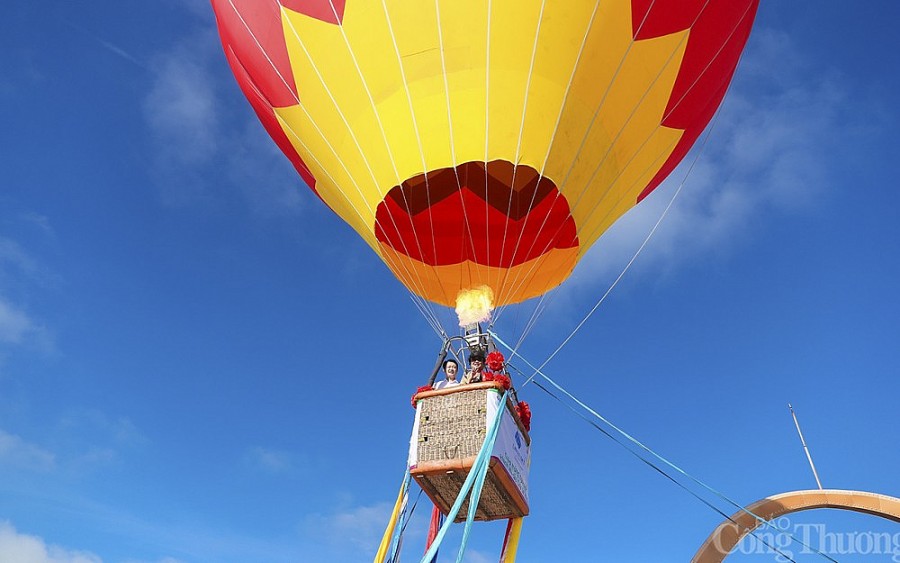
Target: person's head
451,368
476,360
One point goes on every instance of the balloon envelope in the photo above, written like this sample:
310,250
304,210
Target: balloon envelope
474,143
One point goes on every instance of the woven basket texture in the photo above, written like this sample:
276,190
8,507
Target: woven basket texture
453,426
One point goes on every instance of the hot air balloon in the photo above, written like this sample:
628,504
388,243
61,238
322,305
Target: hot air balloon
483,145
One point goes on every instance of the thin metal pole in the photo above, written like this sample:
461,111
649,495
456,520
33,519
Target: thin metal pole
805,449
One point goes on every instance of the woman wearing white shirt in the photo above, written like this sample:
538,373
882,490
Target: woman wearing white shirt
451,368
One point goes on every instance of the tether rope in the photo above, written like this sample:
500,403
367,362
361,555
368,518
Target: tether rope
642,446
658,469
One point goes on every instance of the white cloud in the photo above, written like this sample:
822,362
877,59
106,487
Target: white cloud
359,528
17,452
271,461
200,8
41,222
87,439
354,533
180,107
260,171
20,274
15,324
473,556
210,145
119,430
82,441
22,548
13,257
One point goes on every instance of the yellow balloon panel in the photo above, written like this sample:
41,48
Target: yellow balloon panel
482,143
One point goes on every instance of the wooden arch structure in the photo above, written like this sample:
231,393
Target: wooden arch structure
729,533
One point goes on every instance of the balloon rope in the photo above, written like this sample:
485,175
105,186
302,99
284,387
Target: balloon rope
642,446
620,276
682,486
524,277
609,149
699,153
387,146
662,155
310,155
559,115
430,317
637,252
353,137
512,184
415,124
475,260
487,123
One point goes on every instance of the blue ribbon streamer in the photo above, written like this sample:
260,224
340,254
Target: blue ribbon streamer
479,468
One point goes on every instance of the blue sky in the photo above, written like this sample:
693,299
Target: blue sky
199,362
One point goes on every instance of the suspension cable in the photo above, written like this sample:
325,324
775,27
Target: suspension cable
642,446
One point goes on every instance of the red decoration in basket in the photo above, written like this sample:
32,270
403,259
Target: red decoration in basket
419,390
524,412
500,378
495,361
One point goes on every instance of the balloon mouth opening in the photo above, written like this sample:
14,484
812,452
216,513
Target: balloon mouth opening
477,224
493,214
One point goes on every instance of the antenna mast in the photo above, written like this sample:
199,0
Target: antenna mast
805,448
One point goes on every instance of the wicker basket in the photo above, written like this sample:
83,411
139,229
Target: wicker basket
451,429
